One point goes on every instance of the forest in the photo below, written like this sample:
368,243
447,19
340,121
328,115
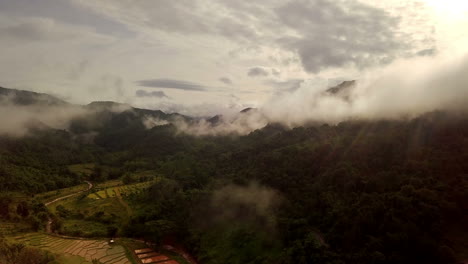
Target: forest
385,191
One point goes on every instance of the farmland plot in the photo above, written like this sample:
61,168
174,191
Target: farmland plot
77,250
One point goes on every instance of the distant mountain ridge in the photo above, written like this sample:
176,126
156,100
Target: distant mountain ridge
22,97
26,98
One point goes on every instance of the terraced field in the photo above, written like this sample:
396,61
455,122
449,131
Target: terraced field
149,256
77,251
115,191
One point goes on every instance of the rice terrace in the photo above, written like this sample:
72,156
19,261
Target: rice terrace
65,234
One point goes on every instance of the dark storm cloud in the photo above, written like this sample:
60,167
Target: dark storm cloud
225,80
257,71
171,84
340,34
158,94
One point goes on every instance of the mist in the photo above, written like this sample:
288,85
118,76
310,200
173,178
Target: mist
244,204
18,120
405,89
402,90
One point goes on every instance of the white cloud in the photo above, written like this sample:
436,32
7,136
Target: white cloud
102,58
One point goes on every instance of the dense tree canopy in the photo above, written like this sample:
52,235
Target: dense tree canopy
355,192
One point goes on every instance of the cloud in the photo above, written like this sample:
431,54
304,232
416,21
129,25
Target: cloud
158,94
235,124
64,12
18,120
43,44
38,29
275,72
171,84
150,122
225,80
322,33
405,89
334,34
254,204
427,52
257,72
22,112
290,85
184,16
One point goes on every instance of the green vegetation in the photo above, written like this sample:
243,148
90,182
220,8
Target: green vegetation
85,169
14,253
99,213
116,189
376,192
21,213
51,195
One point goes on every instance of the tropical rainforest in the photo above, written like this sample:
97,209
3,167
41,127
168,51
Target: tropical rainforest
358,191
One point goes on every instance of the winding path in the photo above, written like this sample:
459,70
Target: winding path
49,222
90,185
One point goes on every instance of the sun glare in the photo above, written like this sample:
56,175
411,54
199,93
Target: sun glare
449,9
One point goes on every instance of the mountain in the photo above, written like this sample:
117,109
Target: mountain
342,90
20,97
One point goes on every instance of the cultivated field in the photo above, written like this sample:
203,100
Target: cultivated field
77,251
103,192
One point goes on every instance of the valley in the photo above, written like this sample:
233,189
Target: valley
359,191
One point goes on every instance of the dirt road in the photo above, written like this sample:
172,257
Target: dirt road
49,223
90,185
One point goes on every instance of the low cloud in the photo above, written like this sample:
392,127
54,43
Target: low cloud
405,89
285,86
150,122
157,94
239,124
251,204
257,72
225,80
21,115
171,84
18,120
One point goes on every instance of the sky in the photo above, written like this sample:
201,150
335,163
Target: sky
203,57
